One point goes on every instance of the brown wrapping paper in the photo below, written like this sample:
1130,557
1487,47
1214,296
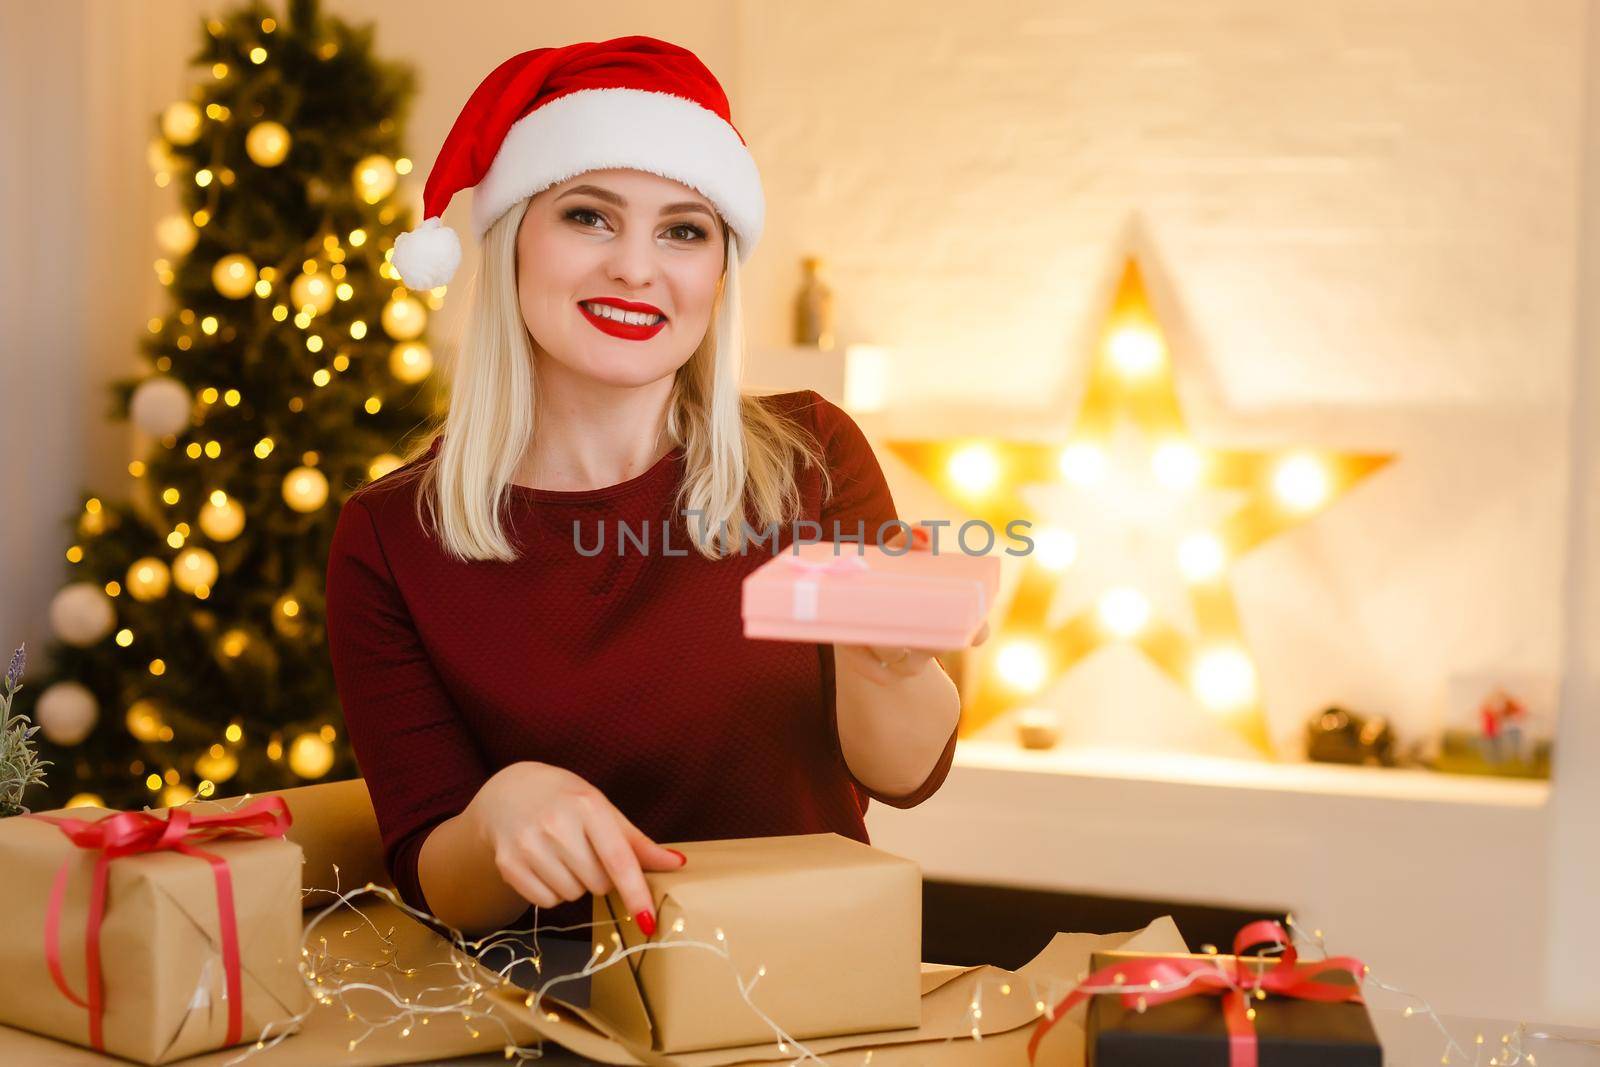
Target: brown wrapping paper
336,828
943,1036
818,911
160,947
942,1033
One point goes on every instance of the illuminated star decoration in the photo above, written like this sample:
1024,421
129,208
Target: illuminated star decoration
1157,522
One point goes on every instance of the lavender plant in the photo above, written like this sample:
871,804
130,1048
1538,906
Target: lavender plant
20,765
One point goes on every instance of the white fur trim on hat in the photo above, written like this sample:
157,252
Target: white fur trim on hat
640,129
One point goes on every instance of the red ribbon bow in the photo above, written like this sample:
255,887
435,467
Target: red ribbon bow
1175,977
130,833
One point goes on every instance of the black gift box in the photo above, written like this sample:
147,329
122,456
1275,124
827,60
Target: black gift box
1191,1032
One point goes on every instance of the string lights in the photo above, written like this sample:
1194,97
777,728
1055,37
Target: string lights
479,977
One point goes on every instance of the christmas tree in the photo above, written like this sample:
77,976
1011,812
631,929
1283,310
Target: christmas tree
188,653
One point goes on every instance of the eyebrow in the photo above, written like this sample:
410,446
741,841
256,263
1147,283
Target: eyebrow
613,198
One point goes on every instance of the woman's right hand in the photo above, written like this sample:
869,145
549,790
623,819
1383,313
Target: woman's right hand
554,836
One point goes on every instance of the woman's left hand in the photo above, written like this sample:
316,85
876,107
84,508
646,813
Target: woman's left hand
899,660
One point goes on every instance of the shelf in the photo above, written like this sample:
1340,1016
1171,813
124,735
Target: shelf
1437,880
1327,779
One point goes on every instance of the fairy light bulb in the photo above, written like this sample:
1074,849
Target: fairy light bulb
1201,556
1022,665
1123,611
1301,483
1177,465
1083,464
1224,679
1055,549
974,469
1135,352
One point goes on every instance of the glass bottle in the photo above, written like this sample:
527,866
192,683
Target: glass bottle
813,320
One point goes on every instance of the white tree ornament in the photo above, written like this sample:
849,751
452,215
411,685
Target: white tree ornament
66,712
81,614
161,405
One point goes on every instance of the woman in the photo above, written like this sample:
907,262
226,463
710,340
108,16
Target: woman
532,716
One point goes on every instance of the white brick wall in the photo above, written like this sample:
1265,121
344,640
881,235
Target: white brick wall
1362,219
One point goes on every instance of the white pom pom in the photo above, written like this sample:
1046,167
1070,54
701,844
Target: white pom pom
428,255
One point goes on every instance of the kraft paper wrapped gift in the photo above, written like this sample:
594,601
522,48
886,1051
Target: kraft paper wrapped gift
864,594
163,960
836,923
333,822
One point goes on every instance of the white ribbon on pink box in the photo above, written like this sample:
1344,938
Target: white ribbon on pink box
917,598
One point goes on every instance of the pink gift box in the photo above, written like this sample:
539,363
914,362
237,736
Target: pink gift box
863,595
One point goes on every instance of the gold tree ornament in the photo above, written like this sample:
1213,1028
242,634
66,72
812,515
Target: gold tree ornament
148,578
144,720
374,178
312,290
404,318
382,465
217,764
310,756
221,517
194,570
305,489
1143,555
267,144
410,361
234,276
176,234
180,123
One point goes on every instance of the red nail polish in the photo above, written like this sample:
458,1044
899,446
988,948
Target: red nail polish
646,921
678,854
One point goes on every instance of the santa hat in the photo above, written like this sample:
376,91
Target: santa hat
546,115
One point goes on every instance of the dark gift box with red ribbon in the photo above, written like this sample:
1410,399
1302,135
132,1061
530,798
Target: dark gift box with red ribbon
152,935
1149,1009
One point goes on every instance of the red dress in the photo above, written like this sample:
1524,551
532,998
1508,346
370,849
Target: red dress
631,670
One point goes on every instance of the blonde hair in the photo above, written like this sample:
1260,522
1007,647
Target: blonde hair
739,454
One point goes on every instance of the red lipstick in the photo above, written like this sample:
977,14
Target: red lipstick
626,331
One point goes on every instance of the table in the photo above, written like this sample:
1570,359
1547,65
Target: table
1413,1041
1408,1041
